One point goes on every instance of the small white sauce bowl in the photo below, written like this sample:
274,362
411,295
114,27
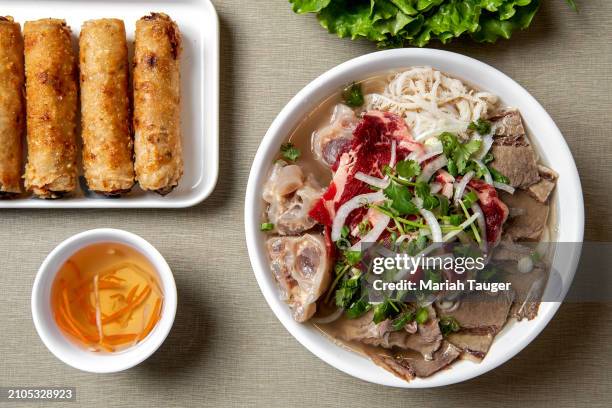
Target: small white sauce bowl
65,349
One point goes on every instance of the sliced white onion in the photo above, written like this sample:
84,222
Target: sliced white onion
448,305
487,142
460,187
430,152
503,186
432,223
374,233
328,319
393,153
431,167
525,264
404,237
373,181
482,225
463,226
487,173
434,188
352,204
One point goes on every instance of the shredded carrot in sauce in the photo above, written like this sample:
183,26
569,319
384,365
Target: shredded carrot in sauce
107,297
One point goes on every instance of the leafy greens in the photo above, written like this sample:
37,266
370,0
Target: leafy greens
395,23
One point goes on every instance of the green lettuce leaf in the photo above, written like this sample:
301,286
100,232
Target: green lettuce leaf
395,23
309,6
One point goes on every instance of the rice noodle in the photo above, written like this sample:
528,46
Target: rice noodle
373,181
352,204
431,102
430,168
460,187
505,187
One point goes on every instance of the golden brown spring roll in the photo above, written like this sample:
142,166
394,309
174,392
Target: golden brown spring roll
157,139
51,96
12,112
107,142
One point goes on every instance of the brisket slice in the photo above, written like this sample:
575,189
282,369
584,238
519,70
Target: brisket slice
482,313
474,346
514,155
409,364
532,219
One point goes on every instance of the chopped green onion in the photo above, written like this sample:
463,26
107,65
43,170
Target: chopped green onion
422,315
267,226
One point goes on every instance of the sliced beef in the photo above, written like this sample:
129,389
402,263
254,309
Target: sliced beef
508,127
428,337
543,188
426,340
408,364
508,250
532,218
529,288
369,152
514,155
482,313
518,163
494,209
474,346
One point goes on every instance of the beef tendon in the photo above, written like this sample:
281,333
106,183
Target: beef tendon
157,138
12,112
51,95
107,141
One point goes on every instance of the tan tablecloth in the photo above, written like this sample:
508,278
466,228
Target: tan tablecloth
227,348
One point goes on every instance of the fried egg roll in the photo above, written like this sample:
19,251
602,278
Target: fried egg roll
51,106
12,112
107,142
157,138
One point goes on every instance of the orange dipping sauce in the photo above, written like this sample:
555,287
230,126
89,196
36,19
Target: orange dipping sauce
106,297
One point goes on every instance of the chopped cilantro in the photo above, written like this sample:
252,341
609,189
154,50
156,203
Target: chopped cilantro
290,152
408,169
497,176
352,95
458,153
423,191
448,325
481,126
402,320
401,199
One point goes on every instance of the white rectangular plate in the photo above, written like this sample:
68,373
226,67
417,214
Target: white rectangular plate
199,25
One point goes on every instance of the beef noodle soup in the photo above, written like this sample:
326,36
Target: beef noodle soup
410,166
